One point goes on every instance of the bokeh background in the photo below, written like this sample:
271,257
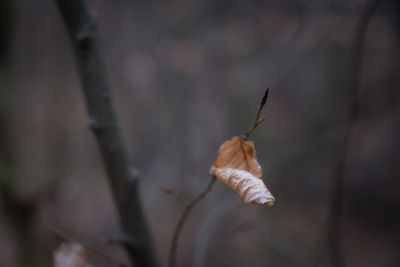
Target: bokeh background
187,75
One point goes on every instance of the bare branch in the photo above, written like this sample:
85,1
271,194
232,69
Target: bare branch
81,26
336,206
181,223
257,121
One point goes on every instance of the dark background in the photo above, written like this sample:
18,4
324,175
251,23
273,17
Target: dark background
187,75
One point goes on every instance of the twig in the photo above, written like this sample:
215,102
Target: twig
257,121
336,205
181,223
191,205
82,29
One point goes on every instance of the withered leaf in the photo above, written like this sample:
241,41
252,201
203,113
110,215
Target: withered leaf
238,168
238,154
71,254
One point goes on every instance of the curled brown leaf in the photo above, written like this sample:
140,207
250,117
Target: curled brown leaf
238,168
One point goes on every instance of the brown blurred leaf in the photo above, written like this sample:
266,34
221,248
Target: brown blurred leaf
238,168
71,254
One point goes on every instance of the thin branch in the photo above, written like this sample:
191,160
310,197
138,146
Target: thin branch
336,207
191,205
257,121
82,29
181,223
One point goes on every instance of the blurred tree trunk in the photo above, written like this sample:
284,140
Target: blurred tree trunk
19,210
82,28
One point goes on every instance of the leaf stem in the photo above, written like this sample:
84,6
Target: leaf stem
186,212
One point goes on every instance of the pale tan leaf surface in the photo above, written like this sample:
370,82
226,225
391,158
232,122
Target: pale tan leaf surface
238,168
238,154
71,254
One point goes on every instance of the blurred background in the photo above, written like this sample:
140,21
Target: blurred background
187,75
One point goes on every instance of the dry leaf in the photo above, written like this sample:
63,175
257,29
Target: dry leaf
70,254
237,167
